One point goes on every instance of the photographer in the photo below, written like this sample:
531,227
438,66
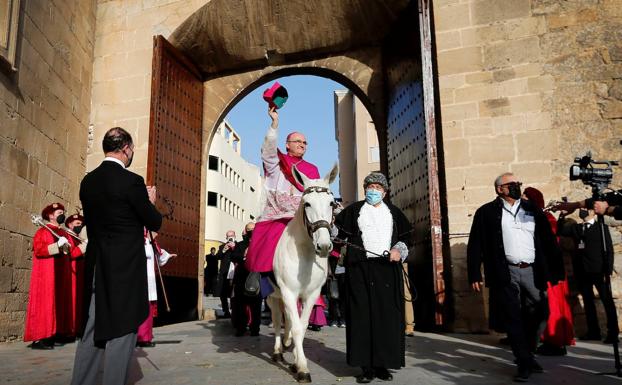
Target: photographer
591,268
611,205
225,273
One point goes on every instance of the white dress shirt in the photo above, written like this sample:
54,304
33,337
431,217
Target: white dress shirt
518,227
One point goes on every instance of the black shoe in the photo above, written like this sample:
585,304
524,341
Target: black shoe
535,367
610,340
383,374
240,333
254,333
145,344
522,374
590,337
504,341
40,345
226,315
366,377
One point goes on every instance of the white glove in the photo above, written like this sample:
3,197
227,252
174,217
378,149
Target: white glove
62,241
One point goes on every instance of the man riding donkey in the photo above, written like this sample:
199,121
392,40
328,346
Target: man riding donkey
282,195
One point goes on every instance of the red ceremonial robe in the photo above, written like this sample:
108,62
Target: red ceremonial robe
48,299
77,286
559,327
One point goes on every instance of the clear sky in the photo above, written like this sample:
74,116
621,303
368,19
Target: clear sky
309,109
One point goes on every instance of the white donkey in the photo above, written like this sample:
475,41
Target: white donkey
301,265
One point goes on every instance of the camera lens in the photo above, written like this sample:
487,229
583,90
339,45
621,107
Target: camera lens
575,172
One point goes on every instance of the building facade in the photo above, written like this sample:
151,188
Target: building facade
233,187
357,141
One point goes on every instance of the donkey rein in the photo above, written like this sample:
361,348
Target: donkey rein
385,254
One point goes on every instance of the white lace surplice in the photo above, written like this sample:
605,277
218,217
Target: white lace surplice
280,199
376,225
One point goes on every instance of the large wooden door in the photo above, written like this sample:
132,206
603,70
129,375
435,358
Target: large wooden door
412,156
174,159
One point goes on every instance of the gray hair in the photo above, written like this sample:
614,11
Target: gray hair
500,178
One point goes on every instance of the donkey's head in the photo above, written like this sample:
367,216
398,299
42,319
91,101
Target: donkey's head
317,206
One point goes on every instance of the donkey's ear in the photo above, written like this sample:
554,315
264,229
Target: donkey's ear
330,177
299,177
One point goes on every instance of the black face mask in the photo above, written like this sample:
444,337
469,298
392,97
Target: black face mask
77,229
129,160
60,219
514,191
583,213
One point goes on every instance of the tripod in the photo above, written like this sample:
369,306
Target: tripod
599,196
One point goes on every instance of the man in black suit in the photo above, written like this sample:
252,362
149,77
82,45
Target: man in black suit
591,266
514,241
225,272
117,208
210,271
241,301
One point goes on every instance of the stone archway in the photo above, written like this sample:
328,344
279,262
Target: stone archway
367,57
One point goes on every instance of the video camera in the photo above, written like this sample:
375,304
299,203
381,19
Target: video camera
598,178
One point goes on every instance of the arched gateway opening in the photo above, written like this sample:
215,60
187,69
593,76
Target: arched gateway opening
380,50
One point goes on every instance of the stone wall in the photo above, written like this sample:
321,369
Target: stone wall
44,109
122,68
525,86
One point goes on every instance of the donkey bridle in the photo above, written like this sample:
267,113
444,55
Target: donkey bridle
312,227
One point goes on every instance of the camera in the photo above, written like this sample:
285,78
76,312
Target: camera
230,240
598,177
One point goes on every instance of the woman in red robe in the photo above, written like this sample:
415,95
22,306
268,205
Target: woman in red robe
78,247
559,331
46,314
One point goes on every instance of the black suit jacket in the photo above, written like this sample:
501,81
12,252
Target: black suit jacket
590,259
116,209
486,246
225,261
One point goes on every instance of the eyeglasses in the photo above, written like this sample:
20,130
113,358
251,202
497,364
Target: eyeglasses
298,141
511,184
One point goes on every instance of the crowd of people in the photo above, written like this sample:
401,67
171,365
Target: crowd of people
517,242
54,310
95,288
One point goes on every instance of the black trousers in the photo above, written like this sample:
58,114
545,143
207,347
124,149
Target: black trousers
524,311
337,307
240,318
587,281
225,294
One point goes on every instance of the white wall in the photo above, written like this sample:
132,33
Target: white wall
235,188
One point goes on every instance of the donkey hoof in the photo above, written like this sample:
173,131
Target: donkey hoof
277,357
287,344
293,368
303,377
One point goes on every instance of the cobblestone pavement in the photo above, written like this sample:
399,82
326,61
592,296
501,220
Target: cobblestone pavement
206,352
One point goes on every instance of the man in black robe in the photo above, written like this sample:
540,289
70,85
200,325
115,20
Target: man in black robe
374,284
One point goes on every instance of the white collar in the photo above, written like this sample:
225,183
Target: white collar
591,221
111,159
511,207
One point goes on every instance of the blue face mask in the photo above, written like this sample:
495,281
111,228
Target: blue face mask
373,197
